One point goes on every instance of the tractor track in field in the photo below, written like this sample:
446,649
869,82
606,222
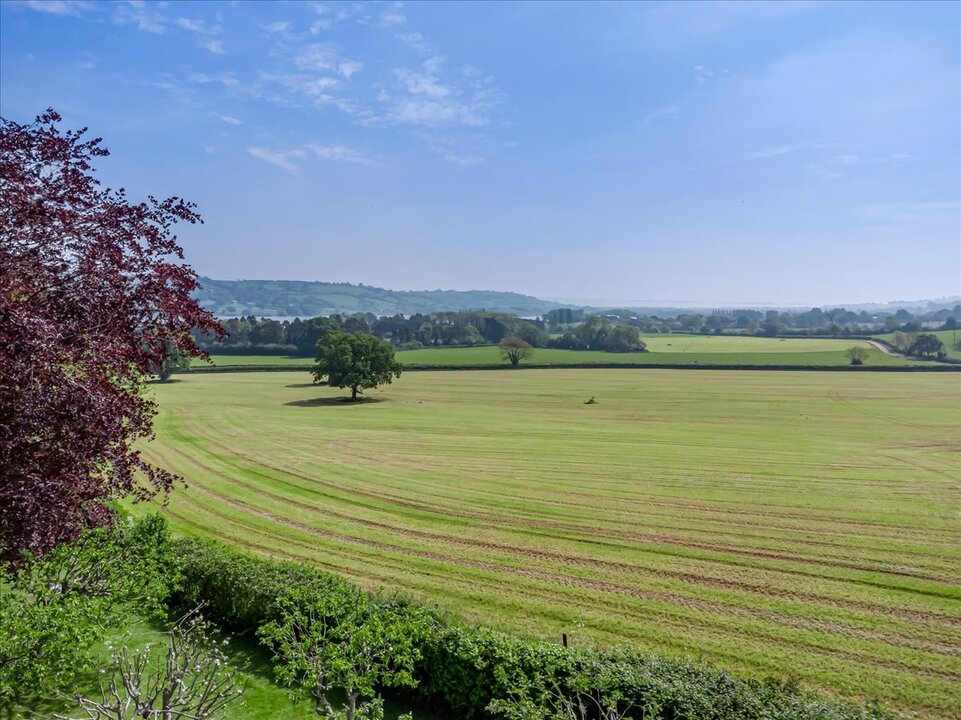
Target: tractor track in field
579,561
697,508
845,562
657,540
601,586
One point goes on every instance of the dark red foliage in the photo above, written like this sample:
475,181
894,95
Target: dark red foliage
93,293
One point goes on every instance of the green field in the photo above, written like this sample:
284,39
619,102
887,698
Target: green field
775,523
662,349
950,338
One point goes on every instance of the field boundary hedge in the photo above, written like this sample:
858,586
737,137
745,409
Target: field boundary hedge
946,367
467,671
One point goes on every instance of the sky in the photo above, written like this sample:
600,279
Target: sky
722,153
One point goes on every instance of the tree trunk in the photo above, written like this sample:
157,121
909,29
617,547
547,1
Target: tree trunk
351,705
353,393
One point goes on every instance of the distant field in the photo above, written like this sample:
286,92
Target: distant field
662,349
775,523
950,338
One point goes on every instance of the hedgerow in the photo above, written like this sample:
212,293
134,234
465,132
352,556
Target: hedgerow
470,672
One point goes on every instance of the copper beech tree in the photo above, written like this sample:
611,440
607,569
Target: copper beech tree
93,294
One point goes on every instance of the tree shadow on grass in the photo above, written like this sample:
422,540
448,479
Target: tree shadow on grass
158,381
299,386
334,402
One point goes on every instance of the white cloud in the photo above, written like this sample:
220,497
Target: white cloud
59,7
145,17
326,58
425,97
415,41
317,26
846,159
391,19
231,120
192,25
340,154
226,79
277,27
275,158
214,46
337,153
775,151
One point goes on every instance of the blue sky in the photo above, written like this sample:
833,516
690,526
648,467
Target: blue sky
720,153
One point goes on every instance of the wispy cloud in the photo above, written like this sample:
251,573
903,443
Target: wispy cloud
277,159
145,17
415,41
214,46
208,36
191,25
326,58
228,80
73,8
277,27
666,112
775,151
340,153
231,120
393,17
336,153
429,96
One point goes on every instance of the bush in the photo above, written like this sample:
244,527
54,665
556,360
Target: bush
472,672
52,610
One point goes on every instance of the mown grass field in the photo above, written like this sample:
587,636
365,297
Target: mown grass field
662,349
784,523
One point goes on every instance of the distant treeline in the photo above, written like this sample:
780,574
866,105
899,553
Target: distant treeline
615,331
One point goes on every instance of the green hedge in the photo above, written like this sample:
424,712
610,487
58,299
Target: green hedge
463,669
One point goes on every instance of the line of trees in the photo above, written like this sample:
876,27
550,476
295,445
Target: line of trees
614,331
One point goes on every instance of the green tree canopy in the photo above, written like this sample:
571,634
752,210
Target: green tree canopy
356,361
927,344
514,349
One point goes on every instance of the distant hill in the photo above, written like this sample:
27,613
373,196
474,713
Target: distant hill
293,298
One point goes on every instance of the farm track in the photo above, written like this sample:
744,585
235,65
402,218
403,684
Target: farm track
796,522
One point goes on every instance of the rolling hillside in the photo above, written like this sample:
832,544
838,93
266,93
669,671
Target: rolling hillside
289,298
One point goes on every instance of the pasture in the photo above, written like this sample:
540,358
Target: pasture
950,338
789,523
669,349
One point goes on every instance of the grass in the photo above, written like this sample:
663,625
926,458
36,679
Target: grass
774,523
662,349
950,338
263,699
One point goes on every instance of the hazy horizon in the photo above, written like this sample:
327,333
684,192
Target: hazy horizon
751,154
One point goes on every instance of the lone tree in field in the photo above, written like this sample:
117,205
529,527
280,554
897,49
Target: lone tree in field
93,295
927,344
857,354
514,349
355,360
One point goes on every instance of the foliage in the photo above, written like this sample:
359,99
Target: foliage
92,294
346,641
514,349
355,360
599,333
326,632
174,360
53,609
927,344
857,354
189,678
